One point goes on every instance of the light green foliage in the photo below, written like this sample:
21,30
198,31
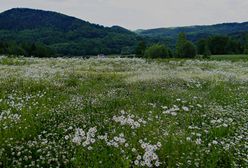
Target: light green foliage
123,113
157,51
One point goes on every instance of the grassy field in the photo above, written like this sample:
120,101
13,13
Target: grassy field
123,113
229,57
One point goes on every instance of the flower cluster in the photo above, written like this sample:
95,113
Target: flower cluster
126,119
150,158
85,139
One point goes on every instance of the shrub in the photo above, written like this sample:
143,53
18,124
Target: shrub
188,50
246,51
157,51
185,48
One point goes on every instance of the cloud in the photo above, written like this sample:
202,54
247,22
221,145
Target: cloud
135,14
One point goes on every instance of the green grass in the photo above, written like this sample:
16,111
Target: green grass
229,57
135,113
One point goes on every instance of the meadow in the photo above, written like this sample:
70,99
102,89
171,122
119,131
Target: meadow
123,112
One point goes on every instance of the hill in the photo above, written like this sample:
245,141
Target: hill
64,34
195,33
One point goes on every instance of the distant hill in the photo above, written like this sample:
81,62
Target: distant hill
65,34
195,33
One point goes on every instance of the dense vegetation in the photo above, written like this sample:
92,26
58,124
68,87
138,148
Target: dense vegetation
26,49
197,32
123,113
63,34
39,33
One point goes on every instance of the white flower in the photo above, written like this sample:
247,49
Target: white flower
198,141
136,162
215,142
185,108
67,137
188,139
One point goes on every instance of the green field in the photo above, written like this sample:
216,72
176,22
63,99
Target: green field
122,112
229,57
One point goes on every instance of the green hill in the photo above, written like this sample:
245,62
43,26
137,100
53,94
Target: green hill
64,34
195,33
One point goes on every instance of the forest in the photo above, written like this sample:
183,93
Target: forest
29,32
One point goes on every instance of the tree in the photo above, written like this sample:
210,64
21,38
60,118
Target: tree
233,47
157,51
188,50
246,45
2,48
126,51
180,43
140,49
185,48
218,45
201,45
206,52
41,50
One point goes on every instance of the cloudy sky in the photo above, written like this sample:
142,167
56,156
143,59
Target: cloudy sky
136,14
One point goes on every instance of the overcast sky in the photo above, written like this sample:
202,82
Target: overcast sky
143,14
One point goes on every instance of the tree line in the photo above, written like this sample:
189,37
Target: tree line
214,45
25,49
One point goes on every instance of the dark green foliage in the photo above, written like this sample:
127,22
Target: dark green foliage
195,33
218,44
203,48
180,44
246,45
189,50
157,51
185,48
64,34
246,51
39,33
126,51
25,49
207,52
140,49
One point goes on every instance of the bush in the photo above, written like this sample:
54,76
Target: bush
157,51
246,51
185,48
188,50
207,52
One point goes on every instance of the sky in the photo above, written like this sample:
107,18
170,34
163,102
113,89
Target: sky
142,14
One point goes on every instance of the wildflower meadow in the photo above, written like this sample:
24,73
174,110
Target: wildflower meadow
123,112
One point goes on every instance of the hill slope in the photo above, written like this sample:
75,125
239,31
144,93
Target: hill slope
195,33
65,34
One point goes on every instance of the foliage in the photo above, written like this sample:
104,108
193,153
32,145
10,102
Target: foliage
157,51
55,34
185,48
180,44
195,33
246,45
189,50
140,49
219,45
246,51
64,34
25,49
